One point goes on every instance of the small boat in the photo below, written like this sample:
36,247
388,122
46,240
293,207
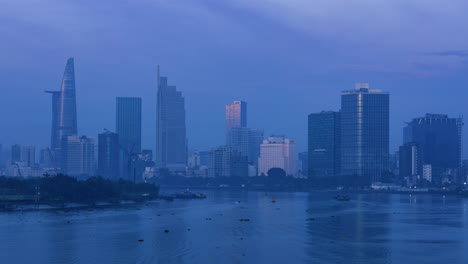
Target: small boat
342,197
273,199
186,194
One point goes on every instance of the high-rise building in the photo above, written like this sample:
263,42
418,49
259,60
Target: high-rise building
410,162
256,138
324,144
21,153
303,163
171,140
364,133
277,152
225,161
64,118
439,138
247,141
78,156
236,116
128,127
108,155
128,123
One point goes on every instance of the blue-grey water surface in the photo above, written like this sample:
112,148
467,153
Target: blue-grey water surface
371,228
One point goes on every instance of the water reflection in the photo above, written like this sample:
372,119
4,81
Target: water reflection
298,228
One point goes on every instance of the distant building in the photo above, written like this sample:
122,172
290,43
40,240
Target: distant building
364,133
303,163
427,172
78,156
324,144
439,139
193,160
236,116
22,169
225,161
394,163
64,117
255,140
247,141
141,163
277,152
128,128
171,140
410,162
22,153
44,158
204,156
128,123
108,155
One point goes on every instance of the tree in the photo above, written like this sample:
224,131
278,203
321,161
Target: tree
276,174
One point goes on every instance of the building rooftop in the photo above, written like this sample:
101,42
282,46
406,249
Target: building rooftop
362,88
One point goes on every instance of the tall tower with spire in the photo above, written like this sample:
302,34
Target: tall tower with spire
171,140
64,119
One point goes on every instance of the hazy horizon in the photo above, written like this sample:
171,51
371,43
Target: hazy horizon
286,60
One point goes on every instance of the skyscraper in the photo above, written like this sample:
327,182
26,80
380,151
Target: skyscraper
324,144
277,152
410,162
303,163
364,133
171,140
128,127
78,156
128,123
108,155
255,140
236,116
64,119
439,139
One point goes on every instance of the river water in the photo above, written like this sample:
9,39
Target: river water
298,228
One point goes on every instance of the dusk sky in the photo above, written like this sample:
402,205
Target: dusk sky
285,58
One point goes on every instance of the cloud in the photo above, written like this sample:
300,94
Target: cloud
382,34
454,53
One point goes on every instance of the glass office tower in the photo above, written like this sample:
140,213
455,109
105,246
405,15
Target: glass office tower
324,144
364,133
171,140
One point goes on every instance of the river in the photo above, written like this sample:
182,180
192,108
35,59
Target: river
298,228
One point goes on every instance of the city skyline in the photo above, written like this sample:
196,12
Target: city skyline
68,82
262,60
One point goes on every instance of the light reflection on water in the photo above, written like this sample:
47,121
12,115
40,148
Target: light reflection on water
371,228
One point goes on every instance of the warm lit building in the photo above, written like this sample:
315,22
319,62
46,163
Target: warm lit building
277,152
